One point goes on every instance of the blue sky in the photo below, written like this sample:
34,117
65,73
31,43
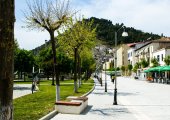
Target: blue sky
146,15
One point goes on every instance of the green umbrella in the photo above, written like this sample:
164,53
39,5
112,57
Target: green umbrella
146,70
154,69
165,68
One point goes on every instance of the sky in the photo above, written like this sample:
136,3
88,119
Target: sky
146,15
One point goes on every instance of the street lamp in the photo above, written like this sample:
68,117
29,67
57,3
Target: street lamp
124,34
104,68
105,76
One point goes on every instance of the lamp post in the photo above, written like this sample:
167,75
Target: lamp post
32,88
124,34
105,76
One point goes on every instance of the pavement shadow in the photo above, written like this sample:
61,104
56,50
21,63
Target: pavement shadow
127,94
103,93
88,108
21,88
107,111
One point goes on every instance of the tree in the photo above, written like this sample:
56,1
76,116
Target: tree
144,63
117,68
130,68
155,63
45,61
105,30
88,63
79,35
7,19
123,69
167,60
23,62
49,16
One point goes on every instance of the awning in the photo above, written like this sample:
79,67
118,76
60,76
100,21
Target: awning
165,68
156,69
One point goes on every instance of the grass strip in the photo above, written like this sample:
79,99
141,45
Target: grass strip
37,105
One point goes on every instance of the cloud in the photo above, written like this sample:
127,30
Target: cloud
147,15
30,39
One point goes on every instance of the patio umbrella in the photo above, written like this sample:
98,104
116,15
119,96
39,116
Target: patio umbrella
165,68
146,70
154,69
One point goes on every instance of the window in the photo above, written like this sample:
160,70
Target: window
162,56
158,58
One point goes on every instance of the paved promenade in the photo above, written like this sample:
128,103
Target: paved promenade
137,100
21,90
147,101
101,106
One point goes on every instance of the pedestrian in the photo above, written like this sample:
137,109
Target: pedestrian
35,81
112,78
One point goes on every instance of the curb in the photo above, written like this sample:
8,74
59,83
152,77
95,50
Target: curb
53,113
86,94
49,116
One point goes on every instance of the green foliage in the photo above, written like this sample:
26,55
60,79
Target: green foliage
23,61
167,60
154,61
82,36
34,106
123,68
105,31
117,68
79,34
88,61
45,60
144,63
130,67
64,62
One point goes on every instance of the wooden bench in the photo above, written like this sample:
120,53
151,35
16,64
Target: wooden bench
75,106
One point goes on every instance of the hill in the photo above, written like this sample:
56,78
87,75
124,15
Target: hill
106,32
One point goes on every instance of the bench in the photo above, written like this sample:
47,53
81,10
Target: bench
75,106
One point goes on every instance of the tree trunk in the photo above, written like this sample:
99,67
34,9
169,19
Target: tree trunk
24,76
79,71
75,70
7,19
56,71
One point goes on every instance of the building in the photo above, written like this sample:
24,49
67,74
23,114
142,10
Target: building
150,49
146,50
122,55
161,54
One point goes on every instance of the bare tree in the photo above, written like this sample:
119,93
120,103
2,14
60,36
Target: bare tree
7,19
50,16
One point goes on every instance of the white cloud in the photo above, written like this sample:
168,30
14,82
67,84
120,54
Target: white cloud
30,39
146,15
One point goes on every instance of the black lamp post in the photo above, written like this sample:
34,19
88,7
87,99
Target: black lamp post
104,63
125,34
105,76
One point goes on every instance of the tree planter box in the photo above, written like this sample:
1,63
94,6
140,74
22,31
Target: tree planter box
75,106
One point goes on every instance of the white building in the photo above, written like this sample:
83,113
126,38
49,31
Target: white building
146,51
122,55
161,54
131,54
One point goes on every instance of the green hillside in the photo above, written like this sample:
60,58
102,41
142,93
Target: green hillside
106,30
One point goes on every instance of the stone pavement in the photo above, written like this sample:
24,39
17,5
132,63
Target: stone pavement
137,100
101,106
147,101
21,90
